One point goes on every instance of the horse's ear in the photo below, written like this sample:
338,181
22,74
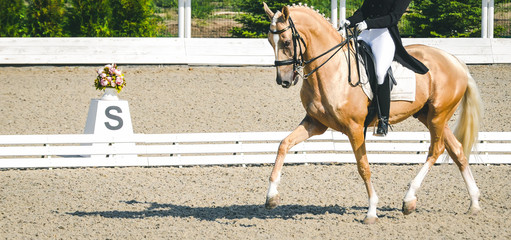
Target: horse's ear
269,13
285,13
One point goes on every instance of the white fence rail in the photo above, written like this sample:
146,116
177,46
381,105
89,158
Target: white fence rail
87,150
205,51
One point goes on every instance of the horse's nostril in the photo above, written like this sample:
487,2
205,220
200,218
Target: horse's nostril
279,80
286,84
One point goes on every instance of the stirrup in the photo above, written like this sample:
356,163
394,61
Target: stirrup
383,127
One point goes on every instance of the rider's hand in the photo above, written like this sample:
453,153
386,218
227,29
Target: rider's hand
345,23
362,26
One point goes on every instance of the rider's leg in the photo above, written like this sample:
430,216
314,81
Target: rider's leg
383,99
383,48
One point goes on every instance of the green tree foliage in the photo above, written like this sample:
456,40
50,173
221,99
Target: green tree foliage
112,18
133,18
440,18
11,18
426,18
200,8
45,18
165,3
89,18
78,18
256,23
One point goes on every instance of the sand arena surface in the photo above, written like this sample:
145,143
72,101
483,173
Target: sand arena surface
318,201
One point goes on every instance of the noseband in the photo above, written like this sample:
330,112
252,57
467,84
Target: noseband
299,63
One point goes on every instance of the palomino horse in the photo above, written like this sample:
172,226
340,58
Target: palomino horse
301,37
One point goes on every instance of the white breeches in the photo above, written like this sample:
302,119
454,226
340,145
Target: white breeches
383,48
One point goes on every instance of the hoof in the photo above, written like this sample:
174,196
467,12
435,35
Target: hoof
409,207
272,203
370,220
473,210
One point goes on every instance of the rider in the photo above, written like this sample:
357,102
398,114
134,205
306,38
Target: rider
379,19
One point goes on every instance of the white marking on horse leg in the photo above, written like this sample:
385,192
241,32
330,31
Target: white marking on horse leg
373,202
473,190
416,183
272,189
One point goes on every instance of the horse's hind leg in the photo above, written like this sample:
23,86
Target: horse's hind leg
442,138
435,124
307,128
455,150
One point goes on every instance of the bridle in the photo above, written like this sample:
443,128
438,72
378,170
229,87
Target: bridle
299,63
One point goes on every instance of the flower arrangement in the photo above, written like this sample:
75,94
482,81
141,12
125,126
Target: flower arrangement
110,76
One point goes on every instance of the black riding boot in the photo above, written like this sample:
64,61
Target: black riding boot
383,99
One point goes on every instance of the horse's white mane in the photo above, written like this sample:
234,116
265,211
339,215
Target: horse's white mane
300,5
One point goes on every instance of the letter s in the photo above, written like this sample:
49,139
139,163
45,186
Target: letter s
113,117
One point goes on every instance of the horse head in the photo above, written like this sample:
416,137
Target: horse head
292,43
288,46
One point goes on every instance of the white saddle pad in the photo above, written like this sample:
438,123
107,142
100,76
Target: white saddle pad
403,91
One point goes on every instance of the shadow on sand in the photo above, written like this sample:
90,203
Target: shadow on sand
225,212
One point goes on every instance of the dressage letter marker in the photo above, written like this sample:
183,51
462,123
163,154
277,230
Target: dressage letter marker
108,117
113,117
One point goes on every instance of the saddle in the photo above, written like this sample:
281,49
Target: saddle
366,57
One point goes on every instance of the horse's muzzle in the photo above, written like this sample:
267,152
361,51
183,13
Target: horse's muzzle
288,83
279,80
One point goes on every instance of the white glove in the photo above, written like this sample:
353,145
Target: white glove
344,23
362,26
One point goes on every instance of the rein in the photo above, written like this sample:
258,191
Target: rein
299,64
354,35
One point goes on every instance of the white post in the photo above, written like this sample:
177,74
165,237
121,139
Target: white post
333,15
484,19
181,18
342,9
491,4
188,16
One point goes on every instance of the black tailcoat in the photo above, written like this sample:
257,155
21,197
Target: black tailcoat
386,14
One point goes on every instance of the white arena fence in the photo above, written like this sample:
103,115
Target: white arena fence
92,150
205,51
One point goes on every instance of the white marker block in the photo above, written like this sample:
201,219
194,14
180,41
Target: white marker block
109,117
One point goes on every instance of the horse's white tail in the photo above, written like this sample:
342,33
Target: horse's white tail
467,127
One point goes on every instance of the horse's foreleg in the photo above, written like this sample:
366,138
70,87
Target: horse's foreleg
358,144
455,150
307,128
